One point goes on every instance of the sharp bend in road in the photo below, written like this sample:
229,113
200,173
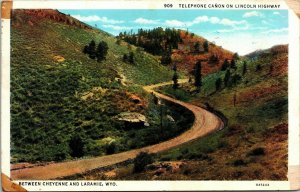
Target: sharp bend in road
205,122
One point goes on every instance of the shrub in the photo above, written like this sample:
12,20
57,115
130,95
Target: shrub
111,148
76,145
141,161
199,156
257,151
165,158
239,162
258,67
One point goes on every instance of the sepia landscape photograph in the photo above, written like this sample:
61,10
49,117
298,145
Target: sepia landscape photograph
100,94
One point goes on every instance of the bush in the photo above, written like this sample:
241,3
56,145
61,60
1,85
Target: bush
111,148
141,161
239,162
76,145
165,158
194,155
257,151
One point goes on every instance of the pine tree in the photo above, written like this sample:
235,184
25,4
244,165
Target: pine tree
227,78
236,56
175,80
205,46
235,79
102,50
225,65
131,58
125,57
233,64
175,68
197,74
85,49
218,84
92,49
197,47
213,59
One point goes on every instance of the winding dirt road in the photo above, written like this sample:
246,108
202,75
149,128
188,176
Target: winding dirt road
205,123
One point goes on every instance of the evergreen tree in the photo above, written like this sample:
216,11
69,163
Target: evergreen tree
197,47
236,56
233,64
175,68
102,50
92,50
175,80
155,41
125,57
131,58
218,84
197,74
86,49
235,78
166,58
227,78
205,46
213,59
225,65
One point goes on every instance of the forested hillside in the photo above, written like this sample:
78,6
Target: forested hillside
180,48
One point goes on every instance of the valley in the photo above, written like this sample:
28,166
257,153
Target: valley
161,104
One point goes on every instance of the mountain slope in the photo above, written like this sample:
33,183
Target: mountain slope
62,101
186,56
256,106
180,48
253,144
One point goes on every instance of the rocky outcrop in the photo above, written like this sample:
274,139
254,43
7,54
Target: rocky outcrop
95,94
132,120
161,168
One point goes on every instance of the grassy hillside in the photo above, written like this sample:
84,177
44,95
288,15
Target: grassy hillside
253,144
62,101
257,123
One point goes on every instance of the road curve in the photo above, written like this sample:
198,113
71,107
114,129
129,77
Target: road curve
205,123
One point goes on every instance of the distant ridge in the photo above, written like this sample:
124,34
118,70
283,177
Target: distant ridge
52,14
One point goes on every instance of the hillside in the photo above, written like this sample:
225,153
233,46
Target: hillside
252,146
68,104
180,48
65,105
186,56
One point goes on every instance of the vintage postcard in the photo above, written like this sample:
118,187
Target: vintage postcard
129,95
